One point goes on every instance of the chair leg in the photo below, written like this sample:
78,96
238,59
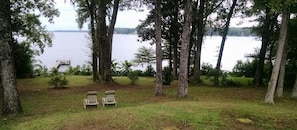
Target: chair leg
103,102
84,104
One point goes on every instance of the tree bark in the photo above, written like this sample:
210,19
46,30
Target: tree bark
108,46
176,37
11,102
158,37
200,34
193,36
105,40
170,56
101,35
175,58
269,27
294,90
281,78
183,73
225,32
258,78
91,8
269,98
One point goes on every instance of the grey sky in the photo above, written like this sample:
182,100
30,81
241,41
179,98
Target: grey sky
66,21
125,19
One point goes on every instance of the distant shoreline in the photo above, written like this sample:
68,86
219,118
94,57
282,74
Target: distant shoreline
243,32
116,30
68,31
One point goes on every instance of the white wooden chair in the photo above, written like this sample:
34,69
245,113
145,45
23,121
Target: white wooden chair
91,99
109,98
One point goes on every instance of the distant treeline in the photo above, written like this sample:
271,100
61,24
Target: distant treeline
233,31
116,31
124,30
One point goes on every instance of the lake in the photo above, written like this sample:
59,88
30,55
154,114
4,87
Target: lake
74,46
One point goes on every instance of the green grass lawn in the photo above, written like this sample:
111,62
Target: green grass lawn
206,107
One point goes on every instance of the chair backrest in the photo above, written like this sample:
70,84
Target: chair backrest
110,92
110,96
92,98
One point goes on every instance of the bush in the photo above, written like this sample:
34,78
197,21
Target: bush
224,82
58,80
24,59
41,71
245,69
86,70
167,77
75,70
133,76
230,82
206,68
213,73
149,71
138,72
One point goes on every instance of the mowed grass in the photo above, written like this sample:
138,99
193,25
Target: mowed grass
206,107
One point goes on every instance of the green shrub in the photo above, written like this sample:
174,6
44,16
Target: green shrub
138,72
149,71
213,73
76,70
167,77
41,71
133,76
206,68
86,70
57,79
230,82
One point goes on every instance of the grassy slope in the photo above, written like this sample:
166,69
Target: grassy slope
205,108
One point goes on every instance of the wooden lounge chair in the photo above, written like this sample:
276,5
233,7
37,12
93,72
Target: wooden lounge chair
109,98
91,99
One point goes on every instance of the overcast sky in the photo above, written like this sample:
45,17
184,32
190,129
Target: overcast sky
66,21
125,19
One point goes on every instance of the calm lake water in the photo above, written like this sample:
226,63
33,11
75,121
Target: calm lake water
74,46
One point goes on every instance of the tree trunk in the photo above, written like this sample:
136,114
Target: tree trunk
101,36
281,78
269,27
108,45
176,38
271,48
91,8
276,68
158,37
170,56
11,102
225,32
294,90
105,45
193,36
183,70
258,78
200,34
175,58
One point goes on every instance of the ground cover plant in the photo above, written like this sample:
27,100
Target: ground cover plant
206,107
